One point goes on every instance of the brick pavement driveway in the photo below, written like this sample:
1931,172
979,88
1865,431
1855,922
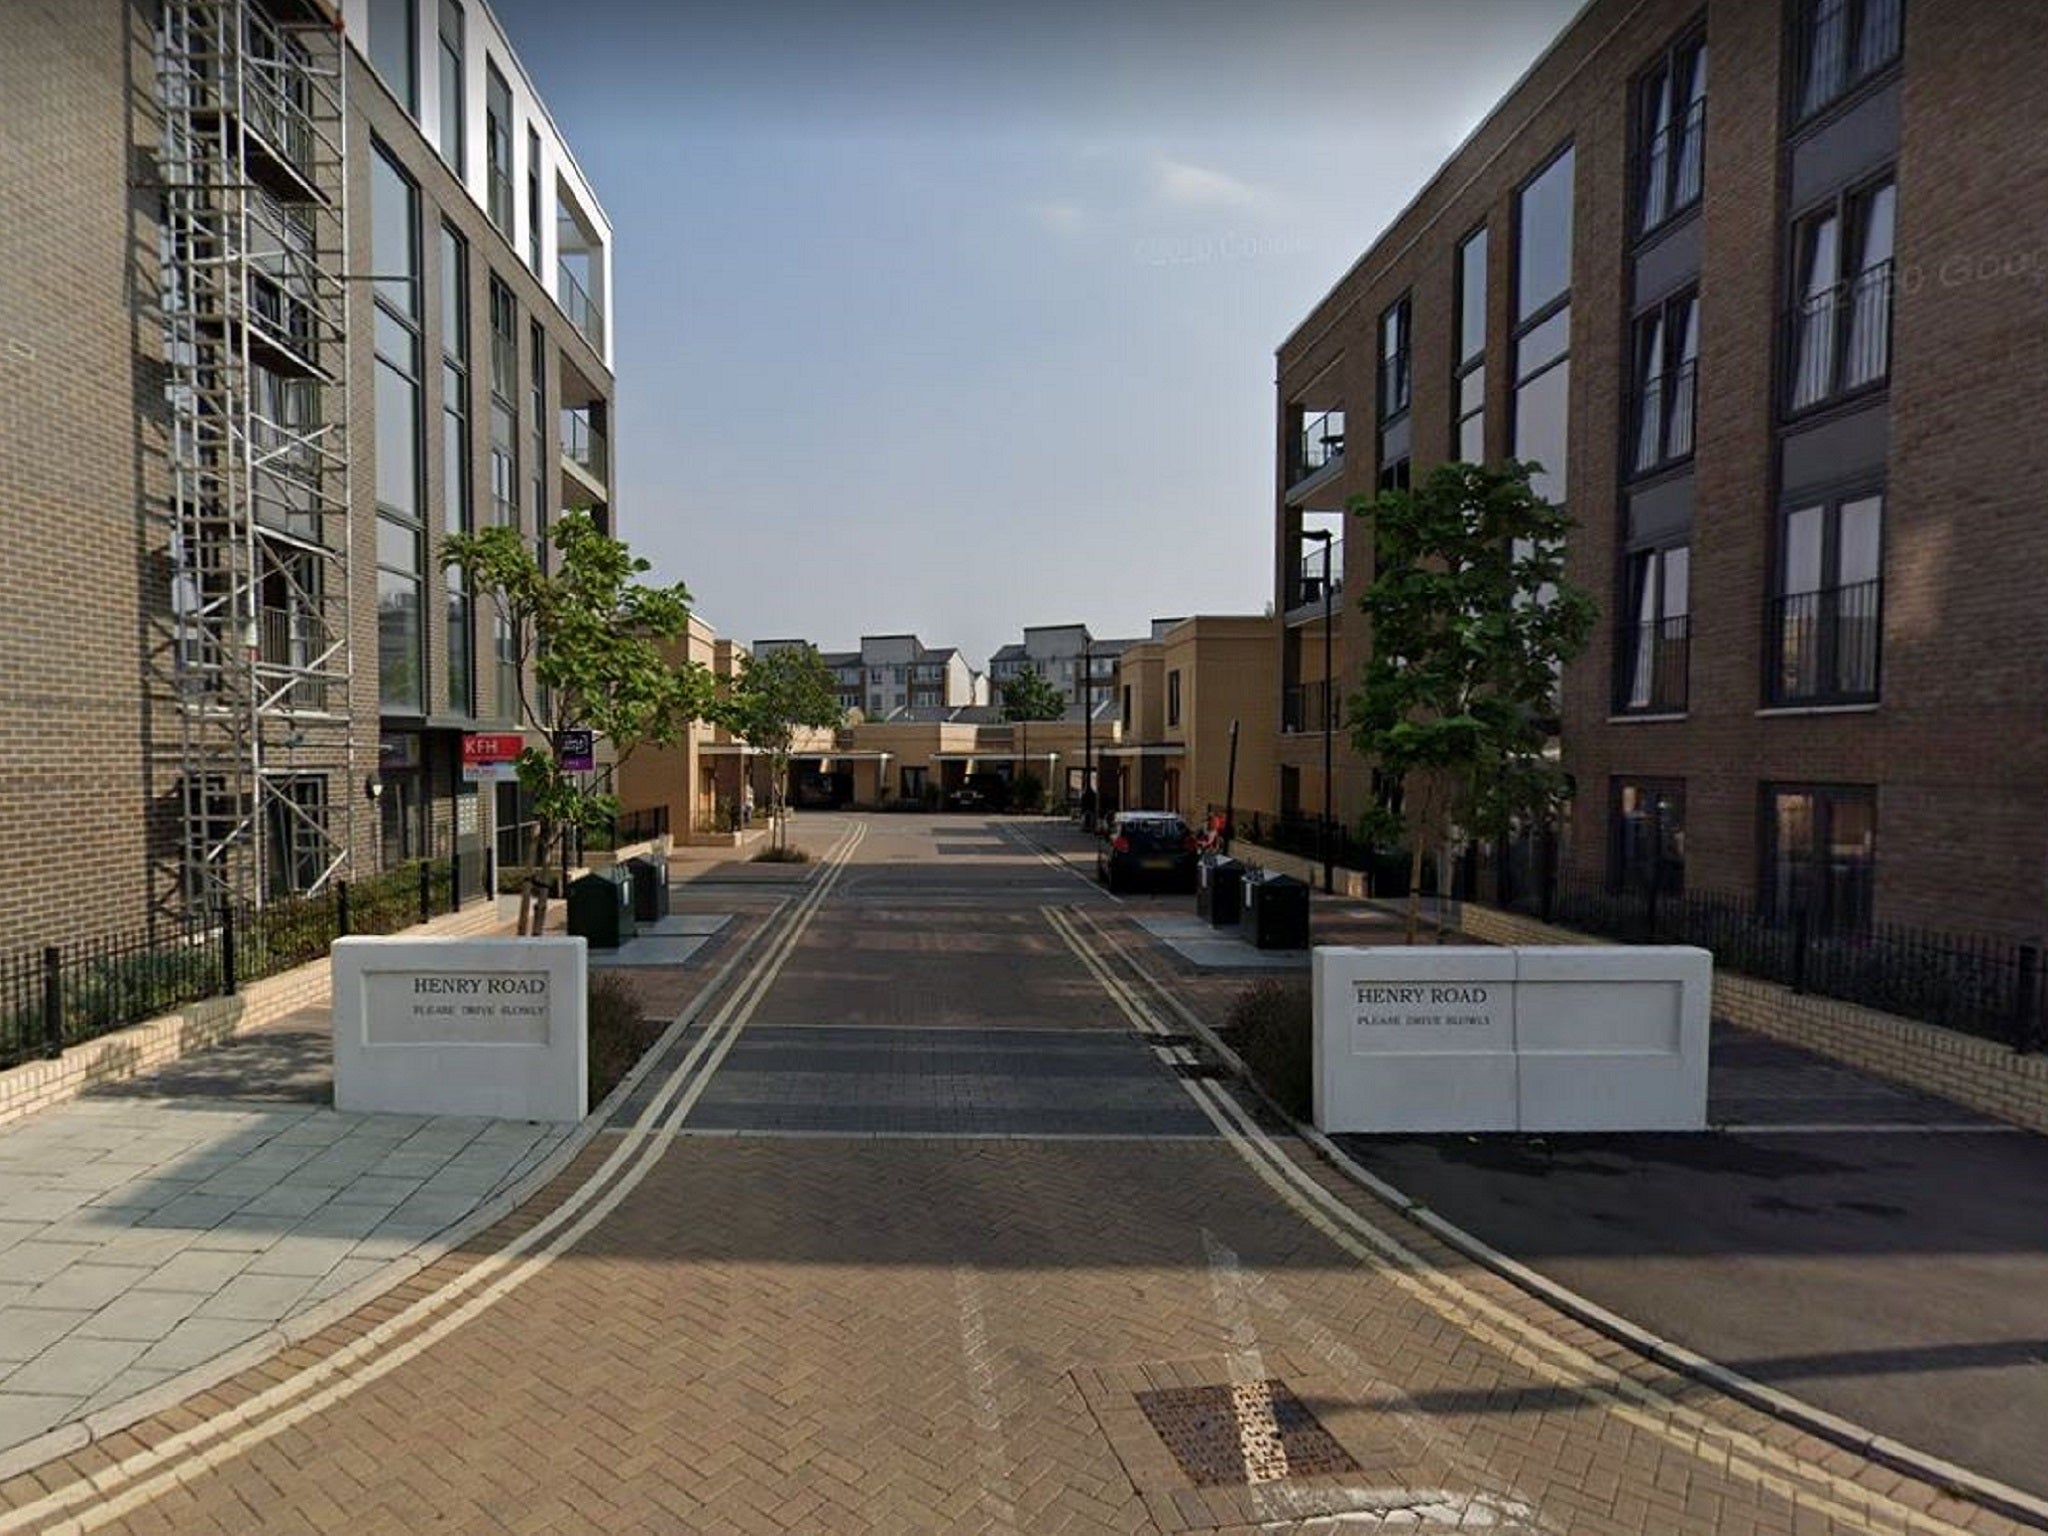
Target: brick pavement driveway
919,1227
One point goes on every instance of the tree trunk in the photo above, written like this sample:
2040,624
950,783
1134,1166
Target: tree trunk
534,918
1444,865
1415,888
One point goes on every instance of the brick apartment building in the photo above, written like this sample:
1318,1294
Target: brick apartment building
891,673
1067,656
239,665
1774,330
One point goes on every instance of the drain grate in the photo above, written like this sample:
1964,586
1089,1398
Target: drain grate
1245,1432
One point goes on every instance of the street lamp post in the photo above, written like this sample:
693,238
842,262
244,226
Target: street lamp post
1088,799
1324,537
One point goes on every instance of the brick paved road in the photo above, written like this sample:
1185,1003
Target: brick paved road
917,1231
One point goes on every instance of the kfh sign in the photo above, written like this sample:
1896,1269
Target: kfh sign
491,758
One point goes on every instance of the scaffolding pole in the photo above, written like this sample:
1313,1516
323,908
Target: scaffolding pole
259,658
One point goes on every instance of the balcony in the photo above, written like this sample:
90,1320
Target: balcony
1824,645
1839,340
1302,706
1651,667
1305,584
584,312
1318,446
584,446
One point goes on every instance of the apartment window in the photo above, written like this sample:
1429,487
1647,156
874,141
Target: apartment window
1394,359
533,209
1828,615
498,149
457,514
1842,299
454,119
1646,853
1671,128
394,238
1173,697
1655,632
538,386
1666,367
1471,363
1839,45
1543,246
1396,379
504,418
1542,348
1127,708
1820,855
394,48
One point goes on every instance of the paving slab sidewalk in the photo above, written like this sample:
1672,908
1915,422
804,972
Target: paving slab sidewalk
154,1226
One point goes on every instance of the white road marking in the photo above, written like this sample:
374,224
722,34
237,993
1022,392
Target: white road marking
1566,1366
219,1439
1876,1128
998,1491
1054,861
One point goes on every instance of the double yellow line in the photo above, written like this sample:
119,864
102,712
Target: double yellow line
1801,1483
130,1484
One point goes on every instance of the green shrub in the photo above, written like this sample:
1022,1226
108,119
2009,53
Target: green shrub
787,854
1027,792
1272,1026
130,988
619,1035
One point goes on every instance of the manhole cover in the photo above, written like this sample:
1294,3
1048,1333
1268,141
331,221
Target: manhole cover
1246,1432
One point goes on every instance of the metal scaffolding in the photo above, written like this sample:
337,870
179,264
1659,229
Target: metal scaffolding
259,652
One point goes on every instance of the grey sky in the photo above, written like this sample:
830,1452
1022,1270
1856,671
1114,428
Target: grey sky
956,318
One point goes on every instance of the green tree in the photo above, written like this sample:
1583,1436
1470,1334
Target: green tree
1472,623
589,640
774,697
1027,696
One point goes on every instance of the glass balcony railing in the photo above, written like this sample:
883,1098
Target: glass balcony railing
1302,706
1306,584
1319,444
584,312
583,442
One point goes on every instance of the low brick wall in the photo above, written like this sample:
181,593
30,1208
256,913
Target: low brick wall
1346,882
139,1048
1990,1078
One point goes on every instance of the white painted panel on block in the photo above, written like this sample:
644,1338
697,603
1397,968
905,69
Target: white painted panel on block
1613,1038
446,1026
1414,1039
1598,1016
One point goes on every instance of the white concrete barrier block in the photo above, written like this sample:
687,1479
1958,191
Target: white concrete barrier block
444,1026
1414,1039
1613,1039
1540,1038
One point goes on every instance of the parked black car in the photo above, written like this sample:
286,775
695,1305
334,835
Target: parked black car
1147,848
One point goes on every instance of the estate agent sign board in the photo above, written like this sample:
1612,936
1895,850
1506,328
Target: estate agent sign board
493,1027
1538,1038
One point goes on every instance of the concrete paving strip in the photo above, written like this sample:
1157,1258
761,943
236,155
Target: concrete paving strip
648,950
1218,949
140,1238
